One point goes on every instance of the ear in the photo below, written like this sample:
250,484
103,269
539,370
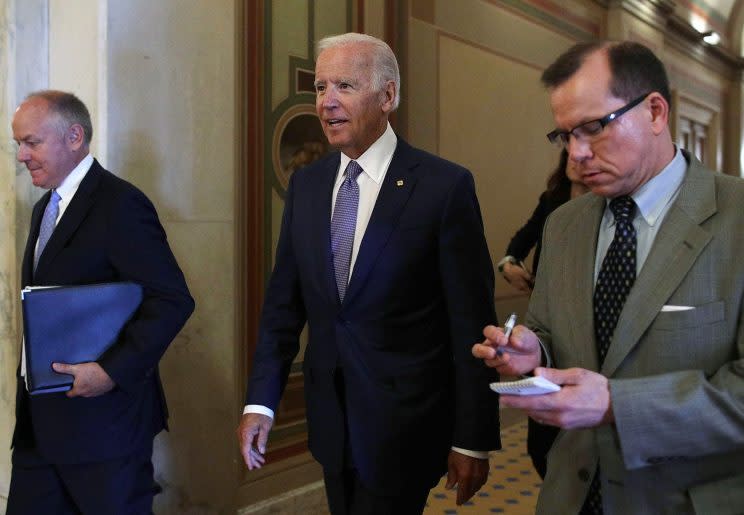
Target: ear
75,136
389,96
659,109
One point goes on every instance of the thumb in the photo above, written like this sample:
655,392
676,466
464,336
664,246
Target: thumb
64,368
557,376
451,477
263,436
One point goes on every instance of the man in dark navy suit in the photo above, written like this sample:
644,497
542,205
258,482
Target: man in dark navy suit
382,253
89,450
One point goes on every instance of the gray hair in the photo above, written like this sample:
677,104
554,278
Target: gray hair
70,109
384,64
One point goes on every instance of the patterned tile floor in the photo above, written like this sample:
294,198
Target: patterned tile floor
512,486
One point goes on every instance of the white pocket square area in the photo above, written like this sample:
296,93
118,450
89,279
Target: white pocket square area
669,307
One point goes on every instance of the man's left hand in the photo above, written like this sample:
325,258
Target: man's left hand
90,379
468,473
583,401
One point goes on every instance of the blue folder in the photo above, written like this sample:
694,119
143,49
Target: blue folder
72,324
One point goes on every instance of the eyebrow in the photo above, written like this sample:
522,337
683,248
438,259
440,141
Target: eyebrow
338,80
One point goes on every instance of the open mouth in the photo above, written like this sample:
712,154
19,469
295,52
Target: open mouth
334,122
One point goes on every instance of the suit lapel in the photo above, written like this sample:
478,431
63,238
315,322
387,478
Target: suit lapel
396,189
73,215
580,280
679,242
27,267
320,225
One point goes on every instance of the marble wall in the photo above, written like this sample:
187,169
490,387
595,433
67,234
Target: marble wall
171,131
24,67
8,276
159,80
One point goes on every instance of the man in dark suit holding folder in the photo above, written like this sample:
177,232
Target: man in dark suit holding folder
89,450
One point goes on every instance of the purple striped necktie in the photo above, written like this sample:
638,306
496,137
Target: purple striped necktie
48,223
343,225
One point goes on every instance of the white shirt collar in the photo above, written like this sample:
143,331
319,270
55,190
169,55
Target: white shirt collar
70,184
654,195
375,159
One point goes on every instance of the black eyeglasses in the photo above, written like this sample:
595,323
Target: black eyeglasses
592,127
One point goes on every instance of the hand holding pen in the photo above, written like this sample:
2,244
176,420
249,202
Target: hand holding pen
508,328
513,350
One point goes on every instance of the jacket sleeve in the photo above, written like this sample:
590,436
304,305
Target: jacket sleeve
282,319
138,251
468,281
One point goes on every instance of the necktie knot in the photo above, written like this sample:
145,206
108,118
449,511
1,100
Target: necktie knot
622,208
353,170
55,198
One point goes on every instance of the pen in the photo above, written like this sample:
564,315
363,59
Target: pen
508,326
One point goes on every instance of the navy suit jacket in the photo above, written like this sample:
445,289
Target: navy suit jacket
109,232
420,293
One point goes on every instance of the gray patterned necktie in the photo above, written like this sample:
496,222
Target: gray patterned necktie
616,278
48,223
343,226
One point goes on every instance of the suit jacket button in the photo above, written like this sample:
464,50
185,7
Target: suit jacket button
584,475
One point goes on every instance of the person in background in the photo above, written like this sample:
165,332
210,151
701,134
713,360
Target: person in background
382,253
89,450
638,309
564,184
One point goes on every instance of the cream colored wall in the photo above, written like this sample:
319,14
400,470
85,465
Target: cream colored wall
77,33
171,116
474,97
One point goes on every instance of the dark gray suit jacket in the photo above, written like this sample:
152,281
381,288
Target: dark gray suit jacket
676,377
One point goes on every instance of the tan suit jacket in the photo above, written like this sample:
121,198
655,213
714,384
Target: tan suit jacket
676,377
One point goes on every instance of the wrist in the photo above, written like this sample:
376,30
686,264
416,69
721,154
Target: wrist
506,260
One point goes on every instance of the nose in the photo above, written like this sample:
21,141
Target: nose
22,153
328,99
579,149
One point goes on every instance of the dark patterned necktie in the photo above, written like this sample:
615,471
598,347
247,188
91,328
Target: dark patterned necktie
617,275
616,278
343,225
48,223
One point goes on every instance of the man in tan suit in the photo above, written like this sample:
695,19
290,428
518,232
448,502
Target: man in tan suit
650,361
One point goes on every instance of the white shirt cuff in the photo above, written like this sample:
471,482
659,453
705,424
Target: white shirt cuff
548,361
481,455
257,408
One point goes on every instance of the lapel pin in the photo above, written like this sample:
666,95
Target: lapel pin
399,182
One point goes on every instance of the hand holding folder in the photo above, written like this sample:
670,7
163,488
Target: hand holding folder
72,324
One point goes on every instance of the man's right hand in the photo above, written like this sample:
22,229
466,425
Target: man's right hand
253,432
518,355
